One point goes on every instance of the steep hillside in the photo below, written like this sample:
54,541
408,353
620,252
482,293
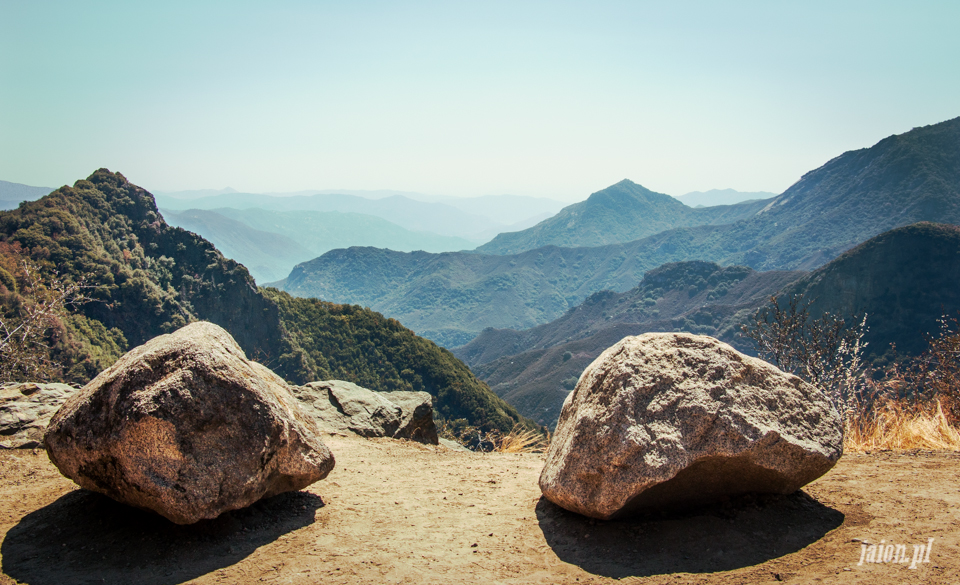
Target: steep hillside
620,213
268,256
901,180
681,293
535,369
149,278
903,280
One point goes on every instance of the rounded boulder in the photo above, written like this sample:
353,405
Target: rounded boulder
185,425
671,420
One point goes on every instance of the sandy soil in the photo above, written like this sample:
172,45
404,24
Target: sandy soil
398,512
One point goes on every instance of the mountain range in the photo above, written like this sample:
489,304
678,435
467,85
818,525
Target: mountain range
451,297
902,281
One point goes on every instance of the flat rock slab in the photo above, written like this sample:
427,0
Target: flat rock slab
25,410
671,420
186,426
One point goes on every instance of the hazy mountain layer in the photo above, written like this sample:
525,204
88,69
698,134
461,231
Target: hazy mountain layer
507,210
721,197
621,213
268,256
434,217
11,194
271,243
321,231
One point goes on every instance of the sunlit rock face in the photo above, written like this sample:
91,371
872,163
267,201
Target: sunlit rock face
185,425
670,420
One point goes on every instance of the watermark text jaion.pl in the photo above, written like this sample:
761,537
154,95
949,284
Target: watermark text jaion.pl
895,553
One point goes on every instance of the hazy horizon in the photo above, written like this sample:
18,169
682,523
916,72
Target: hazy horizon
540,99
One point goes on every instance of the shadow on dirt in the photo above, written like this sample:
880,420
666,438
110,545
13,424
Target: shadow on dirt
746,531
84,537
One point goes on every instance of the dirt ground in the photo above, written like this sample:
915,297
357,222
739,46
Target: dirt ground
399,512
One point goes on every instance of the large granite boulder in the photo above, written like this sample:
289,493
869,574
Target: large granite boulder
667,420
25,410
342,406
187,426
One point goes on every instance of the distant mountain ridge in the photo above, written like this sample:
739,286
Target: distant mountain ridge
902,280
859,194
623,212
11,194
271,243
721,197
471,219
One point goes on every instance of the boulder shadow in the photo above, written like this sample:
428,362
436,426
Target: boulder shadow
84,537
740,532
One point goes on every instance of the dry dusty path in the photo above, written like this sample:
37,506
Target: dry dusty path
398,512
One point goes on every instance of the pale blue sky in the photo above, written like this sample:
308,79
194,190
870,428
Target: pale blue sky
555,99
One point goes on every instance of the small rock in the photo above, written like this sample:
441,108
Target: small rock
669,420
416,416
453,445
187,426
25,411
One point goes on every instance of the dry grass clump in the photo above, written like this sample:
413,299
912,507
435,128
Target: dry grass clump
897,425
520,440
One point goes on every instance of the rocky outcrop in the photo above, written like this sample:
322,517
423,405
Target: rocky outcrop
25,410
667,420
186,426
416,416
342,406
